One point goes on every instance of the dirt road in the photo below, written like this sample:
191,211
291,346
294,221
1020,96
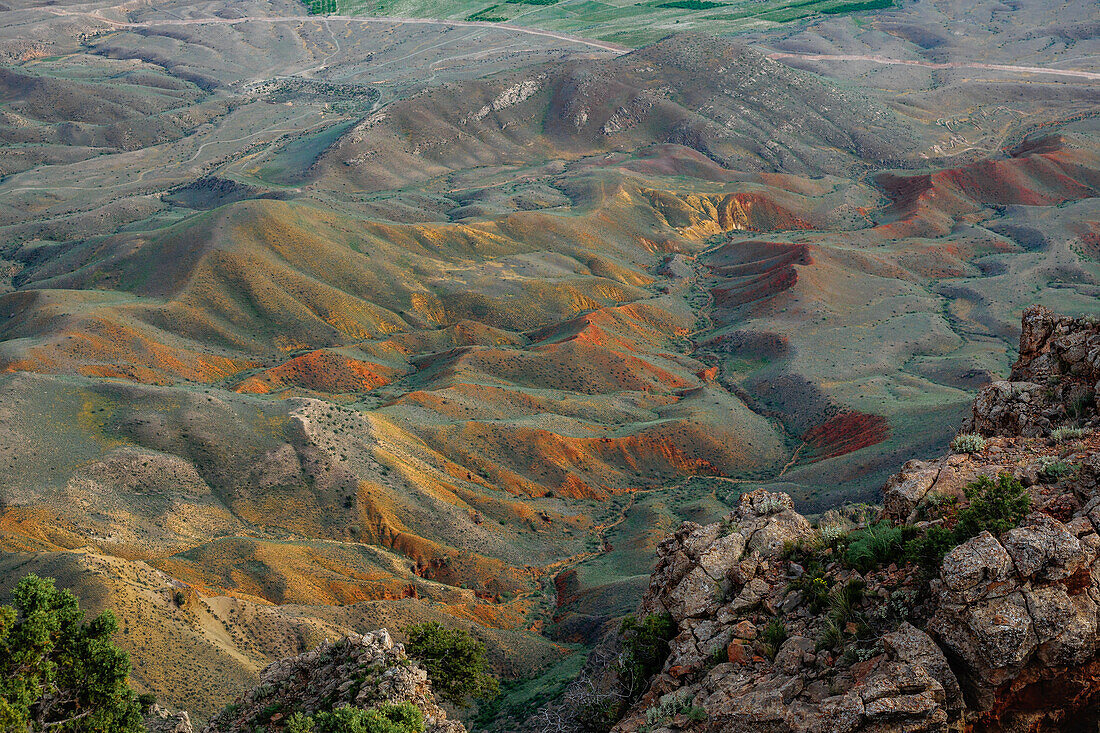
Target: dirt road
1092,75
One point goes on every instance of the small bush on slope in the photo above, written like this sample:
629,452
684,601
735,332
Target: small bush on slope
645,645
400,718
58,673
456,662
996,506
968,443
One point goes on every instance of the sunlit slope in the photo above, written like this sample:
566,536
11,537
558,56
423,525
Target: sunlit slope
200,650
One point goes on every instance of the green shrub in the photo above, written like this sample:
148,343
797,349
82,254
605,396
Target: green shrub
388,718
1063,435
929,549
996,506
456,662
59,673
968,443
775,633
1051,469
875,545
299,723
645,647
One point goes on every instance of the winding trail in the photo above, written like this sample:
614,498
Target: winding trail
1091,75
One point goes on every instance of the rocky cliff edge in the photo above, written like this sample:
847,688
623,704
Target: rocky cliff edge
855,623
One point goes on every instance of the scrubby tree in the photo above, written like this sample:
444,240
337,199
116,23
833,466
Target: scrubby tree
456,662
59,673
645,648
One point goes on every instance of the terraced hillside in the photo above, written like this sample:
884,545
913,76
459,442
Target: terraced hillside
329,325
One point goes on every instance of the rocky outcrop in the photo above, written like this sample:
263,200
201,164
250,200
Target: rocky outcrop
360,671
163,720
1056,379
781,625
749,651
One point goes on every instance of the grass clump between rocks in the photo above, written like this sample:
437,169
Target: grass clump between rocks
968,443
775,633
1066,434
875,545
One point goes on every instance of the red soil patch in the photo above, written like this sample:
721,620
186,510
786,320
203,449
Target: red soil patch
846,433
1091,240
758,288
321,371
1043,173
567,586
756,270
758,213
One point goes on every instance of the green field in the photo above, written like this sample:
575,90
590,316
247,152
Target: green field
628,22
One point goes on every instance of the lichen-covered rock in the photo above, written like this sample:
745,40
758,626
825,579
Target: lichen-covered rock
360,671
904,491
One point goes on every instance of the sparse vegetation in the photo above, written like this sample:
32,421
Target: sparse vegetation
456,662
858,6
59,673
1066,434
321,7
968,443
690,4
775,633
669,707
645,647
1051,469
877,544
